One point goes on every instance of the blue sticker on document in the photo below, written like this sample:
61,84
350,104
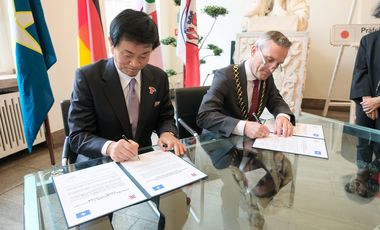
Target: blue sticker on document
317,152
158,187
83,214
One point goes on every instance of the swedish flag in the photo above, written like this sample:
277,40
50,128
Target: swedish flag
34,56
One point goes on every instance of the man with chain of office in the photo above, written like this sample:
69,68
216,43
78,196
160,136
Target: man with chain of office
239,93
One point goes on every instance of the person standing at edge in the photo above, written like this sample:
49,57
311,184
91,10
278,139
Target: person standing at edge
365,93
224,108
123,95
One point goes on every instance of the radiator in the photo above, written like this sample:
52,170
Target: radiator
12,137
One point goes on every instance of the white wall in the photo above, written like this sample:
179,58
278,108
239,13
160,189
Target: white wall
225,30
322,56
167,14
61,17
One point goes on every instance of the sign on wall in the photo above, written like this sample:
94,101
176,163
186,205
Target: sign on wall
350,34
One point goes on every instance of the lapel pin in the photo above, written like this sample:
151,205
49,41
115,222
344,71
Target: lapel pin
152,90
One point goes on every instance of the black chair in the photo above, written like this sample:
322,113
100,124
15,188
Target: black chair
187,102
68,156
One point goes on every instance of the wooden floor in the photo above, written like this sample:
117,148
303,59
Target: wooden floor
16,166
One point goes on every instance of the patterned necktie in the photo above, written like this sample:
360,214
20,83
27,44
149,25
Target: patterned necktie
255,99
133,105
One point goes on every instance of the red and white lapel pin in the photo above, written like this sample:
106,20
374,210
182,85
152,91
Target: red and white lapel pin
152,90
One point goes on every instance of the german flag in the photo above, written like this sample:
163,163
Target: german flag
91,43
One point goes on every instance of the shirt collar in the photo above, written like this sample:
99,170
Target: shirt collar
248,72
125,79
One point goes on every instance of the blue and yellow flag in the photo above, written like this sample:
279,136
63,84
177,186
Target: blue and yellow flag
34,56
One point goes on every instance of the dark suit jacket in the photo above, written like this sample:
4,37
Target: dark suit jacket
98,110
366,74
220,112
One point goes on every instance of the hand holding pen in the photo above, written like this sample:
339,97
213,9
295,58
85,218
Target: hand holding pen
122,150
168,141
254,129
129,141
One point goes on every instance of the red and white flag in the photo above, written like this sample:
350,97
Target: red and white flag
187,42
149,7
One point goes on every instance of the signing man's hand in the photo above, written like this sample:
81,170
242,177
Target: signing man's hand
283,127
122,150
168,142
253,129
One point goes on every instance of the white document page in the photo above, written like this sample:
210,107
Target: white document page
300,145
301,129
159,172
93,192
309,130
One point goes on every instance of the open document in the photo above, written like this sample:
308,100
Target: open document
307,140
301,129
96,191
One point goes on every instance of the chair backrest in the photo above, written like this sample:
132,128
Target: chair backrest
65,105
68,156
187,102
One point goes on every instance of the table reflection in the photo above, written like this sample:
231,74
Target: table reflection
253,176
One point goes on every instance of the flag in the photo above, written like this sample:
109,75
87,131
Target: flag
34,56
187,42
91,43
149,7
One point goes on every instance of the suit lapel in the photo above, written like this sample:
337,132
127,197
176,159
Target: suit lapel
148,95
243,82
115,96
263,95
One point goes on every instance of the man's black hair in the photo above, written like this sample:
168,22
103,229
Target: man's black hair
134,26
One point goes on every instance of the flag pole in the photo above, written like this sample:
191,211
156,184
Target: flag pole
49,140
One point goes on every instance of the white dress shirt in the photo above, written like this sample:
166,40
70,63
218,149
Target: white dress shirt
124,80
239,129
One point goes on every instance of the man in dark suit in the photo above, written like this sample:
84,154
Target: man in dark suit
123,96
365,93
239,93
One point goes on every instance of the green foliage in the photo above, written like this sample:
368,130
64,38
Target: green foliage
171,41
215,11
212,11
177,2
170,72
215,49
200,38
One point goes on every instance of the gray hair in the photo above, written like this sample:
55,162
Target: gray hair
276,36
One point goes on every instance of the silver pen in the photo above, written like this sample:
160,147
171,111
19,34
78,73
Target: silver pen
256,118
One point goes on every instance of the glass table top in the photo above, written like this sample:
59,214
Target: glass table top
250,188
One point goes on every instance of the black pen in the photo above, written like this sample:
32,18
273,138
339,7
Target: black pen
256,118
377,87
126,139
